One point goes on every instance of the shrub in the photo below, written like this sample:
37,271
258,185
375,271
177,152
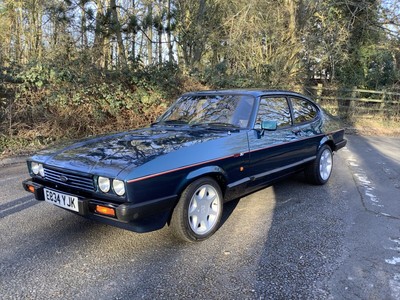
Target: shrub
51,101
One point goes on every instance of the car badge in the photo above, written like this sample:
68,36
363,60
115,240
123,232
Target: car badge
64,178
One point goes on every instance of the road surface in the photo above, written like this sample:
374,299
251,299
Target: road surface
289,241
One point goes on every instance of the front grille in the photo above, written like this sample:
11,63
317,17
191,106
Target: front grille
79,181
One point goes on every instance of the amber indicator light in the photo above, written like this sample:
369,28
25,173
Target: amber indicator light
31,188
104,210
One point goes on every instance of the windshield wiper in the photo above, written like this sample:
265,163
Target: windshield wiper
217,125
220,124
171,122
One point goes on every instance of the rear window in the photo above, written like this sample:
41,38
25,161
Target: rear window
303,110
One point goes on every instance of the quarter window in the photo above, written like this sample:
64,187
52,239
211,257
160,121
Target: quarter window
303,110
274,109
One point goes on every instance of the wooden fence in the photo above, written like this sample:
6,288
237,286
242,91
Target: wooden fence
357,103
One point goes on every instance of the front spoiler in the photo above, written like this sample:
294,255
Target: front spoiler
142,217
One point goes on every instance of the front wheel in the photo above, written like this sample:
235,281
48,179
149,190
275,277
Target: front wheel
319,171
198,212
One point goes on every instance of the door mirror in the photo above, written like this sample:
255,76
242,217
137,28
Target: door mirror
265,126
269,125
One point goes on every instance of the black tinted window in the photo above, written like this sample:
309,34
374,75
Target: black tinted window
303,110
274,109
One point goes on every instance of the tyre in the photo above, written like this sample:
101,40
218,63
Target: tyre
198,212
319,171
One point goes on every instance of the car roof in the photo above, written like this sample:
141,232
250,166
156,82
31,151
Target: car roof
252,92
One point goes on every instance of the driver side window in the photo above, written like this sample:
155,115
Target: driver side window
274,109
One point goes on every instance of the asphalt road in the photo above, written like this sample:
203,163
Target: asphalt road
289,241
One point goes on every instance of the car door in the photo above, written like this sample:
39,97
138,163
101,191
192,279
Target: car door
272,153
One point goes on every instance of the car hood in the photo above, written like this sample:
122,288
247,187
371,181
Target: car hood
110,154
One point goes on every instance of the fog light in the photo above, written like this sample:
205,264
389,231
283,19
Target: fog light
104,210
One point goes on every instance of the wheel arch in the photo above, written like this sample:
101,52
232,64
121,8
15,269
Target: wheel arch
314,170
327,140
214,172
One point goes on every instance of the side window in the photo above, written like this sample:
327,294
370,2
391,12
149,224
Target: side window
274,109
303,110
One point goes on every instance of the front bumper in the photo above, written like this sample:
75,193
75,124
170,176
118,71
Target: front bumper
141,217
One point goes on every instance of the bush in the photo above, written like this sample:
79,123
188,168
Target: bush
51,101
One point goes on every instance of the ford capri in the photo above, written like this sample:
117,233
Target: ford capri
208,148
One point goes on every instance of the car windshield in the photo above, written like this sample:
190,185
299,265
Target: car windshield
210,110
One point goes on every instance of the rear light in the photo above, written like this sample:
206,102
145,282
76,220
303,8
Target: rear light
104,210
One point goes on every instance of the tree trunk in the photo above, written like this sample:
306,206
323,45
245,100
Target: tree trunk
133,44
100,57
199,43
150,37
84,39
159,46
169,30
117,30
36,33
18,21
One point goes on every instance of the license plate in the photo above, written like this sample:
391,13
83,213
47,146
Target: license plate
62,200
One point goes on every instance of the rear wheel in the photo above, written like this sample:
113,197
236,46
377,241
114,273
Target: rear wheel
198,212
319,171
